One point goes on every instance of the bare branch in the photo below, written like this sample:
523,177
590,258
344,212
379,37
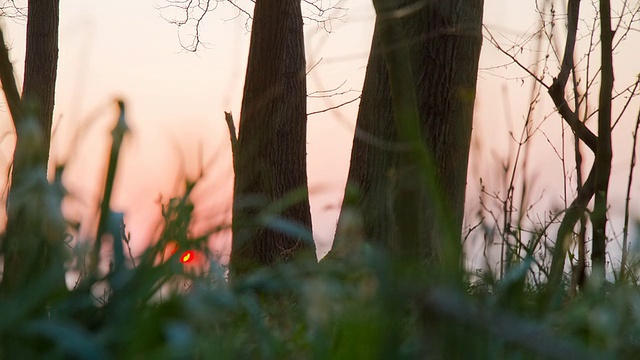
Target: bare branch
9,86
571,216
333,107
190,14
495,43
557,95
626,104
228,118
9,9
573,8
625,228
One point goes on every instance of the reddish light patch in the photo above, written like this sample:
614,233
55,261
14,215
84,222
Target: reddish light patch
187,257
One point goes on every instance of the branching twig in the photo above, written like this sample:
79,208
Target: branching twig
557,95
192,14
9,86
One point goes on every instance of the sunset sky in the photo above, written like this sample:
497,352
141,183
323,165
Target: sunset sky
175,100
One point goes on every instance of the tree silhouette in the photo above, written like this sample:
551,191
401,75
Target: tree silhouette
401,211
270,154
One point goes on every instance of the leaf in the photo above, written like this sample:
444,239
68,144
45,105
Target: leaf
74,340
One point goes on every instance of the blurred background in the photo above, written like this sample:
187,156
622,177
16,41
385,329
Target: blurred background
176,98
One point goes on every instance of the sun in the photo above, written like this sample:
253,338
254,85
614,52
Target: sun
187,257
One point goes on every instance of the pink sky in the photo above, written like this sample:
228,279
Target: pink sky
176,99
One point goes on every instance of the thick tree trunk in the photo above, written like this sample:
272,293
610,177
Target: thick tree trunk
444,39
41,62
33,245
271,214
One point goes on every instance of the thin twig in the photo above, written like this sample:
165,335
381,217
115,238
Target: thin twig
625,229
333,107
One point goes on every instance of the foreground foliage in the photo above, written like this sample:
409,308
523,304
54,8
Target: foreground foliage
363,306
359,304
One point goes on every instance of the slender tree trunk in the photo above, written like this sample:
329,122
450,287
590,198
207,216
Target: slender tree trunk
604,152
41,63
444,39
271,214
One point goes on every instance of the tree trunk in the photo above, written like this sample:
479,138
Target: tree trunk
41,63
604,155
444,40
33,245
271,214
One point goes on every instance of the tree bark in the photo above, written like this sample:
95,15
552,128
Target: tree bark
41,63
444,39
271,214
33,245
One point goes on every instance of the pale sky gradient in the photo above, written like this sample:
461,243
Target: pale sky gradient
175,101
